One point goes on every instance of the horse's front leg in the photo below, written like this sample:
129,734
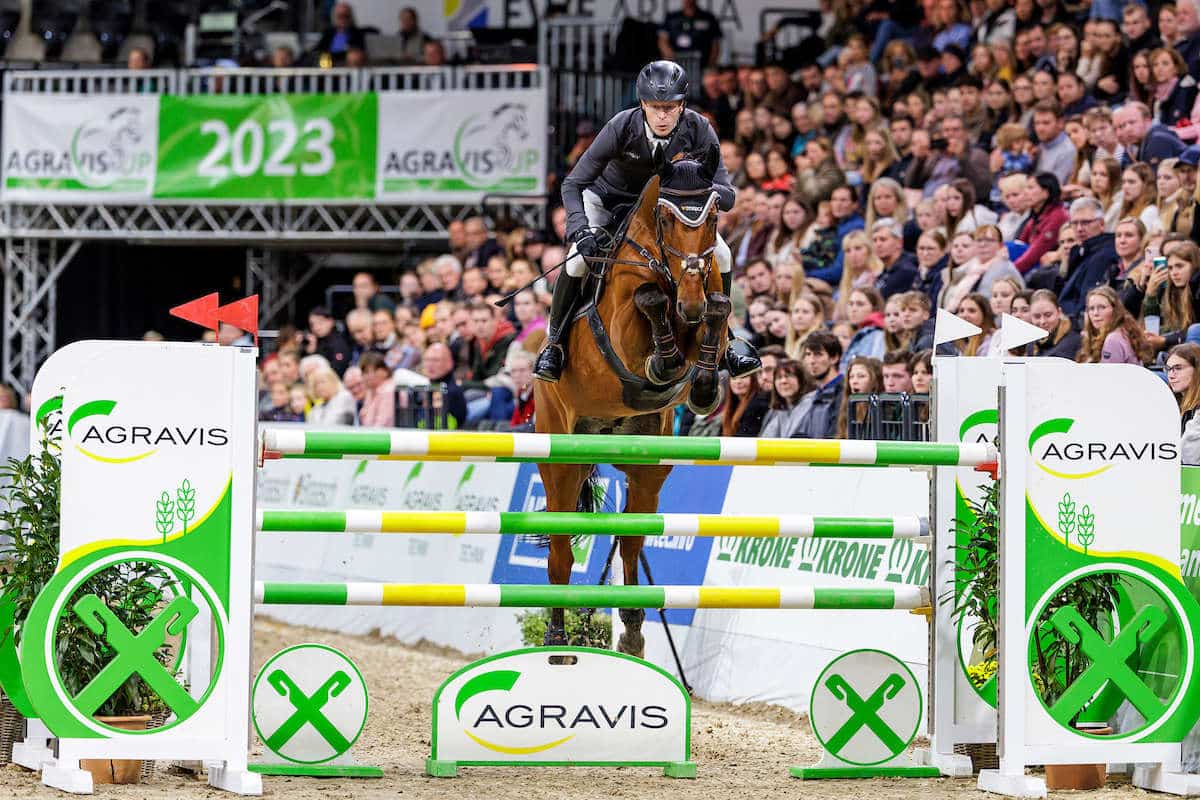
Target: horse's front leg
666,364
705,392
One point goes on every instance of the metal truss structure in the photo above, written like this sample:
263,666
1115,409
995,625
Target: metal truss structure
40,239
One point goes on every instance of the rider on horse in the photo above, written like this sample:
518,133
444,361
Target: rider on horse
612,173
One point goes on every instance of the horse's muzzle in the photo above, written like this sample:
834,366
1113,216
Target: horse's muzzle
691,299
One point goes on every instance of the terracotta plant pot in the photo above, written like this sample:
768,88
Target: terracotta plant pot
117,770
1079,776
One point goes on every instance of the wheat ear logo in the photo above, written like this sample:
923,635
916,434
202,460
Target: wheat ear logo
100,408
500,680
1052,426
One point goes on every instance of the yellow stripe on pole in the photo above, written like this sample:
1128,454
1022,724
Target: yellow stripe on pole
826,452
424,522
452,459
724,597
478,444
429,594
739,526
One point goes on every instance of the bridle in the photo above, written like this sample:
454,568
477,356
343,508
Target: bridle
660,266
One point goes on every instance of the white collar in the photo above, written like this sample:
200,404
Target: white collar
652,138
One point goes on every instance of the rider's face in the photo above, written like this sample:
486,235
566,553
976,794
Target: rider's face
662,117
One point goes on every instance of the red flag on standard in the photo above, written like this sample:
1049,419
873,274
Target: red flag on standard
208,312
241,314
202,311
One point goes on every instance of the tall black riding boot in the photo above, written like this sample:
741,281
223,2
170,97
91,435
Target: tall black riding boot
553,358
741,358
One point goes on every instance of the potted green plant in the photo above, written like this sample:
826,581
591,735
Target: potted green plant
974,601
133,591
29,517
1056,662
594,630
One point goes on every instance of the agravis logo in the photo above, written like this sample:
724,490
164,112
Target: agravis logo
504,716
107,150
1067,456
114,150
490,147
984,435
125,437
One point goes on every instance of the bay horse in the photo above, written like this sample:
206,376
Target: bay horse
651,337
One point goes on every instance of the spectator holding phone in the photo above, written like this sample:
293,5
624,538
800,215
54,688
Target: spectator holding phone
1172,296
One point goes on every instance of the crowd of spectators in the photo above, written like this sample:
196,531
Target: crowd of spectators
1030,157
440,325
342,43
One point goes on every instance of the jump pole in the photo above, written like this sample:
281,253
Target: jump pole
486,595
543,523
553,448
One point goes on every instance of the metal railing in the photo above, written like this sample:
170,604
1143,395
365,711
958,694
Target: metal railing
577,43
422,407
273,81
255,80
888,417
98,81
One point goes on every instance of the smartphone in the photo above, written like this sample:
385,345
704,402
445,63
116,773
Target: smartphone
1160,263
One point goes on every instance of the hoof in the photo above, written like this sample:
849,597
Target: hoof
633,644
701,392
653,376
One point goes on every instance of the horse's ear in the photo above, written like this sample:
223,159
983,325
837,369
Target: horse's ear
650,193
711,160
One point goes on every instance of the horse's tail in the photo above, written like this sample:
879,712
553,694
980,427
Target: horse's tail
591,494
591,500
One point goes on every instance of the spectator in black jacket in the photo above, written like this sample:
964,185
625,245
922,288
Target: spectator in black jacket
745,408
1138,29
481,243
1143,138
1063,341
899,267
438,366
324,339
344,36
1187,14
1171,79
1093,262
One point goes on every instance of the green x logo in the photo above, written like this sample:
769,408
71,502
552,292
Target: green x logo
135,654
1108,661
308,710
865,712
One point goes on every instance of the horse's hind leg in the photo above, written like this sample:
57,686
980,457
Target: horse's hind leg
644,483
562,483
667,362
704,394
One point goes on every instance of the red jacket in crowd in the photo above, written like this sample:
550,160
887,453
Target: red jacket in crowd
1041,234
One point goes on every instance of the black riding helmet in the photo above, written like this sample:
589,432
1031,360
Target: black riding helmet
662,82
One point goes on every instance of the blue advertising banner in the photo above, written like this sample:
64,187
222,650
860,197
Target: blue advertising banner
672,559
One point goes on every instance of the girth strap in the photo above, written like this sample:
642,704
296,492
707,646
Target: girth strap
637,393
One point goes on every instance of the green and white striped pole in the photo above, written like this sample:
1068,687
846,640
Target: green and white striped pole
584,524
409,445
584,596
